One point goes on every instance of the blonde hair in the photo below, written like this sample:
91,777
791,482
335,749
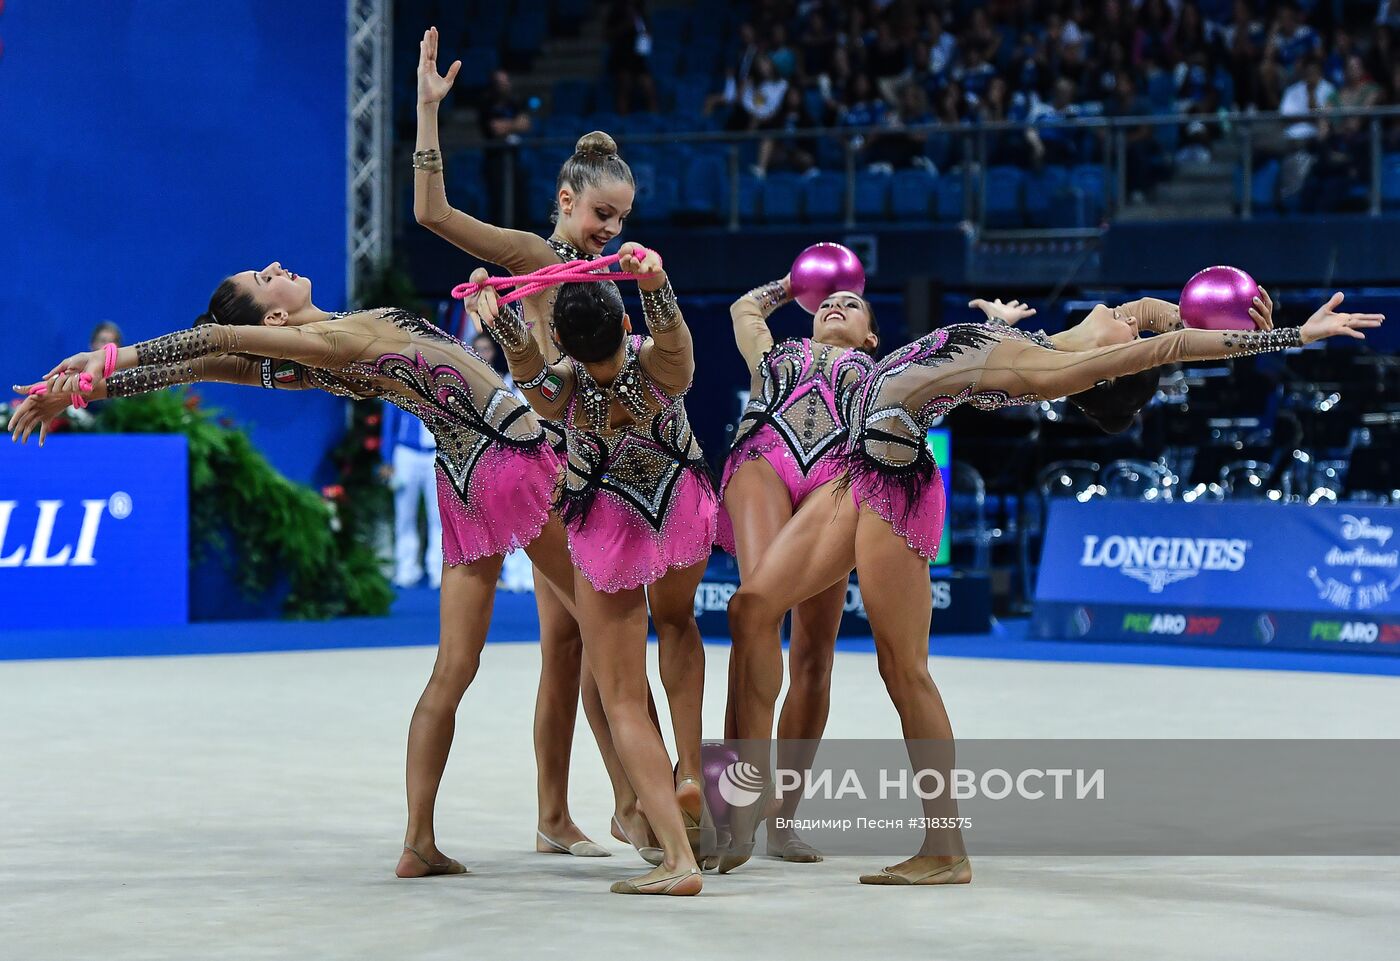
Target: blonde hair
595,162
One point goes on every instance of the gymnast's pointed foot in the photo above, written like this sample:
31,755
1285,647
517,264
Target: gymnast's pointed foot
631,827
566,838
663,880
945,869
426,862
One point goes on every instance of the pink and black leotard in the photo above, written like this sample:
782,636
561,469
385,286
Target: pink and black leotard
794,419
496,472
988,366
638,499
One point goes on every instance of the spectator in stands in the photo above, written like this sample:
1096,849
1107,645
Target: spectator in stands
502,120
982,39
1244,41
974,74
762,95
1049,143
887,61
863,107
900,148
947,150
1305,163
1334,68
1152,40
1003,147
781,53
1198,137
486,349
1105,80
735,77
1344,155
629,54
942,49
106,332
818,48
790,153
1291,43
1143,153
1189,35
1307,96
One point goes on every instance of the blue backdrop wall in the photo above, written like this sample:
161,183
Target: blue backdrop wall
150,147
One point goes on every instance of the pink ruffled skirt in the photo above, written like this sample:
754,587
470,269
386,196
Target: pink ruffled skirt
618,550
766,444
915,514
509,496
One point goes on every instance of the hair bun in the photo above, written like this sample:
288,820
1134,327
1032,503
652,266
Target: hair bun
596,144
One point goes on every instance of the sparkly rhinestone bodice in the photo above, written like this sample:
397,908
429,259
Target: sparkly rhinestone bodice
628,437
800,390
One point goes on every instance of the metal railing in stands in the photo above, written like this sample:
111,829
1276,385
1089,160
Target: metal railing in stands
1247,129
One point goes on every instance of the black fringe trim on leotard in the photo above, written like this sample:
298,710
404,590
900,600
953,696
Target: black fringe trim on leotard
906,484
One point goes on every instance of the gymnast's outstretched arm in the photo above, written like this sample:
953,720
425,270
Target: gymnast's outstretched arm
38,410
517,251
1022,368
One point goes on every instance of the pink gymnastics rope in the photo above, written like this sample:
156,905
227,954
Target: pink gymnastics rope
574,271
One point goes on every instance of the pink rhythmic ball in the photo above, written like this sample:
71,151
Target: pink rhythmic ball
715,756
821,270
1219,298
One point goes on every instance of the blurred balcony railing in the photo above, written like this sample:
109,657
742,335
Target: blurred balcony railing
987,176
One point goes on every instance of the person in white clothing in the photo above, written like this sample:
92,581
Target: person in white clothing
409,453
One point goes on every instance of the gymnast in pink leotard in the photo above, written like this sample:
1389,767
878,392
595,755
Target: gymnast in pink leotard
640,509
785,451
496,470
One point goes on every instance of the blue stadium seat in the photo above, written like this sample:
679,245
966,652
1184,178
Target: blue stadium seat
1003,205
911,194
949,202
1043,189
782,198
1091,181
824,197
572,98
872,195
1264,189
706,187
541,197
477,65
750,197
1069,209
658,201
690,99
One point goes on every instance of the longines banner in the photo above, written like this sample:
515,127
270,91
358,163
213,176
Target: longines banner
94,530
1283,575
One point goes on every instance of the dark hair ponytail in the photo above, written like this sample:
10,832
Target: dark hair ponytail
1113,405
588,320
595,162
874,328
230,305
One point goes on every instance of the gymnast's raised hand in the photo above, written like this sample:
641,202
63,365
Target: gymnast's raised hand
432,86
